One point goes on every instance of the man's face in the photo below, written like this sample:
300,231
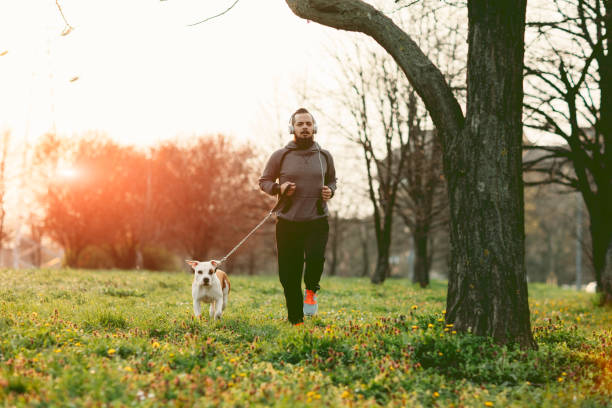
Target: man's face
303,125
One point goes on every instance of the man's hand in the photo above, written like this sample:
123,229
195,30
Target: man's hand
326,193
287,188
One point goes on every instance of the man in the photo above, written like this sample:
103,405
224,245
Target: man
306,181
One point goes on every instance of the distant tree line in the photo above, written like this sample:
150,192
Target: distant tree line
114,206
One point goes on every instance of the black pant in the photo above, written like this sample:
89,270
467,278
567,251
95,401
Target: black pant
297,242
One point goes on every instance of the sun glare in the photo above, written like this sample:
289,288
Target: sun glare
67,173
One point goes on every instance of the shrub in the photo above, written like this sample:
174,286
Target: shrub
554,334
481,360
158,259
94,257
121,292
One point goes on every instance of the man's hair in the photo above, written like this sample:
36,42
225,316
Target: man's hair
297,112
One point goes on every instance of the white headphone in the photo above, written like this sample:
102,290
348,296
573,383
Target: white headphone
291,129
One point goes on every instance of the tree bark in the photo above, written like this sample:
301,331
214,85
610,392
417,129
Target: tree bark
606,278
382,262
421,261
601,241
365,253
383,241
487,292
605,128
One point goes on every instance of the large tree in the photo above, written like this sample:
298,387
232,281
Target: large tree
487,292
423,203
570,95
375,99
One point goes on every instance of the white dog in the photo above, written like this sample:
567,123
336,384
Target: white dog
210,285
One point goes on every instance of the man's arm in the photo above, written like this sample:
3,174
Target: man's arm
267,181
330,175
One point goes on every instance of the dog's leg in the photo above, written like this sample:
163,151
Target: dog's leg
211,310
197,310
225,297
219,309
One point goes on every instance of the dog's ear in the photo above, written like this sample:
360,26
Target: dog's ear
193,264
215,264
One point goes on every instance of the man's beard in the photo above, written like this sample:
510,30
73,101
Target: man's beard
304,142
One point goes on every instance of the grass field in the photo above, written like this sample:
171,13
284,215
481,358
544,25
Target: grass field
113,338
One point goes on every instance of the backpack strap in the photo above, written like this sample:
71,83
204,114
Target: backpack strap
280,166
285,200
327,160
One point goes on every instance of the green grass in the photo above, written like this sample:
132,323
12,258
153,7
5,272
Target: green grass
116,338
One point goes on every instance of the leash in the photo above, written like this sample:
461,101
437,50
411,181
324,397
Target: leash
274,209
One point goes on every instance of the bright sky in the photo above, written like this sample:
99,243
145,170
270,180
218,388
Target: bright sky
136,71
144,76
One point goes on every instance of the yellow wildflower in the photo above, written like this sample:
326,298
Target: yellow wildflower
436,394
111,351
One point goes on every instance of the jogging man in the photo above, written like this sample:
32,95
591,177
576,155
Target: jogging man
306,181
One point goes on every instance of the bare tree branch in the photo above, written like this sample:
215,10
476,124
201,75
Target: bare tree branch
68,27
215,16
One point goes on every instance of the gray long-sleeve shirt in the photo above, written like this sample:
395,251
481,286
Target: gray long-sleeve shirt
302,167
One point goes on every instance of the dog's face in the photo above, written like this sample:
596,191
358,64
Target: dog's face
203,272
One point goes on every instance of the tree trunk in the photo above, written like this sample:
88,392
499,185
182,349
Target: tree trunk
487,293
382,264
602,263
252,263
421,262
383,240
3,155
601,240
71,257
139,258
365,254
606,278
551,276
